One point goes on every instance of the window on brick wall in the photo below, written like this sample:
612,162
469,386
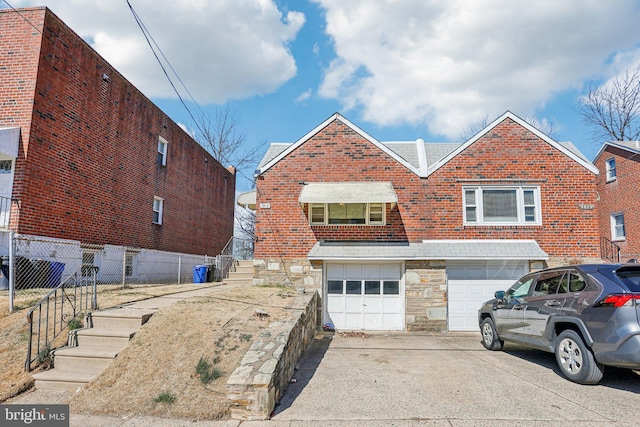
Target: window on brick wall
158,204
347,213
617,226
163,145
492,205
611,170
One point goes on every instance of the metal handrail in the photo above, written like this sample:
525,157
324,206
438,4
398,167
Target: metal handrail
57,309
609,250
235,249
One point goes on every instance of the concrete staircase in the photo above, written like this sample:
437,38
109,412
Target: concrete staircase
91,349
242,275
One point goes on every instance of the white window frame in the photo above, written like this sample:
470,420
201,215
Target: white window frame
610,166
618,232
368,221
158,205
163,145
478,207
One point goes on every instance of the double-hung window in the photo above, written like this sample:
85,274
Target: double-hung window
158,203
496,205
617,227
163,144
347,213
611,170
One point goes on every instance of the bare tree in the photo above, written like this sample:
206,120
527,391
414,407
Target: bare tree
245,223
548,127
219,135
613,109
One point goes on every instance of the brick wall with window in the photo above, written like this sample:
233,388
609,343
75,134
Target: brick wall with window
336,153
513,164
88,166
619,220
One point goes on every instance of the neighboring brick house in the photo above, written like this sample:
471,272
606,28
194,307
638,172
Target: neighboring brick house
619,192
86,156
413,235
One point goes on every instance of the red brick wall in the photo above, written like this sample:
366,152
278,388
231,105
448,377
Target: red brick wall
511,155
621,195
336,153
87,163
429,208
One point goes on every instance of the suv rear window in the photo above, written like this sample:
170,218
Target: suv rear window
629,276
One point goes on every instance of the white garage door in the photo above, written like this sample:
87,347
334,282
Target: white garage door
470,283
364,297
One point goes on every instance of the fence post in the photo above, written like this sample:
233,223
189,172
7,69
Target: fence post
179,267
94,300
12,287
124,265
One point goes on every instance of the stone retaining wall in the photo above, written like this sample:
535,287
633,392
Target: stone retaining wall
257,384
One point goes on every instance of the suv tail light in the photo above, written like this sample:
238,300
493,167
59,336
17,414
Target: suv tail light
620,300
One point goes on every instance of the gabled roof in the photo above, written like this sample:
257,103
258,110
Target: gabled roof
268,164
422,158
630,146
509,115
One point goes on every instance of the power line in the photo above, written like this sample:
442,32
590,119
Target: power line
23,17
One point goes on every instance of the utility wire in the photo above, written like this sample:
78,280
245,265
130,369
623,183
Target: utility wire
23,17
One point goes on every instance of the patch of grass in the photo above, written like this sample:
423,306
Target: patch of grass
165,397
75,324
45,358
206,371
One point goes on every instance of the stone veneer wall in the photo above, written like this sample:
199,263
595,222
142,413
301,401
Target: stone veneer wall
298,272
426,296
257,384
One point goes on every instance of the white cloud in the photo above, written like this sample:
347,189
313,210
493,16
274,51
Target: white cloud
221,50
304,96
447,64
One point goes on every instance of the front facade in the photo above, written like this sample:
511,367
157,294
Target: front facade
617,184
413,235
85,156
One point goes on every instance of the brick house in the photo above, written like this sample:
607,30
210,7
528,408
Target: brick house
86,156
617,185
415,236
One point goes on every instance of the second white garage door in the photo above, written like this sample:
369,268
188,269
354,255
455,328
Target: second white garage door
470,283
364,297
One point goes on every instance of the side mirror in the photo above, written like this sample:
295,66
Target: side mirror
499,294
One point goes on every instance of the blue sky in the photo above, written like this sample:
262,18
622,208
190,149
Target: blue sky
400,70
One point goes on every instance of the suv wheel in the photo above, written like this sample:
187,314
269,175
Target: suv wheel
490,339
575,360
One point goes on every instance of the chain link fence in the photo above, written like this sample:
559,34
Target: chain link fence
42,264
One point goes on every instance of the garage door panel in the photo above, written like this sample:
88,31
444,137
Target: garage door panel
466,297
373,297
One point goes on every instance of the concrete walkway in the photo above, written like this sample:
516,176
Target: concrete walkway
422,380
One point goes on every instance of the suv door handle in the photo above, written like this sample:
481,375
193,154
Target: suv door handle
518,307
553,303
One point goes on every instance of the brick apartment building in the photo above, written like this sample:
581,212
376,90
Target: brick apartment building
618,188
86,156
416,235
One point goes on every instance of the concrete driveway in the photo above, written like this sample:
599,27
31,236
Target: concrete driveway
446,380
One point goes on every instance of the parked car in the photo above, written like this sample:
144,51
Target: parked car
588,315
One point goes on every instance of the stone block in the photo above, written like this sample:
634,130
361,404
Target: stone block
273,266
437,313
296,269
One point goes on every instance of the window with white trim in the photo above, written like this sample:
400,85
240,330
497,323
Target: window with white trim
617,226
493,205
611,169
347,214
163,144
158,203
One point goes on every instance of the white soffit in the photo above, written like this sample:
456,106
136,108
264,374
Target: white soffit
348,192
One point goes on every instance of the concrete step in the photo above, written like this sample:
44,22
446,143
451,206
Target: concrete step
116,339
56,380
83,360
123,318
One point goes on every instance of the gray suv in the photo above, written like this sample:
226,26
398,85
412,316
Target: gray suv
588,315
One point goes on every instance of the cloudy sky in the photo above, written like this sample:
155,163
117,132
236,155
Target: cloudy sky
400,69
